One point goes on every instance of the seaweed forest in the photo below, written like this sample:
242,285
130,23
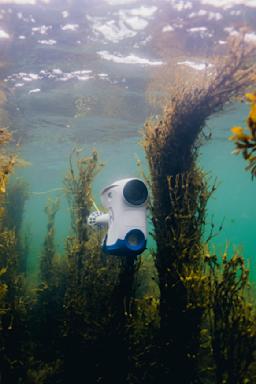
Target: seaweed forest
180,313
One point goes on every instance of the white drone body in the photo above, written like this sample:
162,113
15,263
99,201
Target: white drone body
126,202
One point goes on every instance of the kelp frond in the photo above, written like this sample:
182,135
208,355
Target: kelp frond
245,138
49,251
231,318
179,199
78,187
5,136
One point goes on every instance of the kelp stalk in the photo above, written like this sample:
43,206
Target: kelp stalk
170,146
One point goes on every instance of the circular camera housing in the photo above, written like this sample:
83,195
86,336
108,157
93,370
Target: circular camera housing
135,192
135,241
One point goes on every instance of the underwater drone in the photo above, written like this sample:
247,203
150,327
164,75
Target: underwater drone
126,202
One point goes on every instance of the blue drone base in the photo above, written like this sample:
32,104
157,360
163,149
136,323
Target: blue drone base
123,247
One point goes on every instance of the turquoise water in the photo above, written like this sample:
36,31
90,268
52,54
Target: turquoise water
232,205
119,162
80,75
77,75
233,202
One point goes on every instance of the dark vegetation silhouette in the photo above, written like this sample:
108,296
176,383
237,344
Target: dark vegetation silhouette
179,198
178,314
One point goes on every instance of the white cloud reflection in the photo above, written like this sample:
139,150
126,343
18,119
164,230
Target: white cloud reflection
47,42
249,37
4,35
65,14
127,25
22,78
28,2
210,15
36,90
199,66
136,23
168,28
130,59
17,2
111,30
229,3
143,11
70,27
43,29
120,2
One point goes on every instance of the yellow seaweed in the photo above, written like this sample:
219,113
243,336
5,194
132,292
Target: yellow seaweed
238,134
246,142
252,114
251,97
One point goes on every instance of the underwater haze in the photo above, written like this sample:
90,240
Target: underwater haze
77,73
93,92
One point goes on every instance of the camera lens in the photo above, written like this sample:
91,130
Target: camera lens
135,240
135,192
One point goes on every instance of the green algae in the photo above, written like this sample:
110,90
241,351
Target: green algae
179,314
